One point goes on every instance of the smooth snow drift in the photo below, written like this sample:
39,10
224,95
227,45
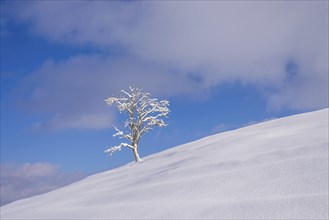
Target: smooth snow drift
276,169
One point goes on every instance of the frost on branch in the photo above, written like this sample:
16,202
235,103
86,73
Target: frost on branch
143,114
111,150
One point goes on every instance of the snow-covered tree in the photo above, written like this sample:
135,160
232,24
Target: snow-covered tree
143,114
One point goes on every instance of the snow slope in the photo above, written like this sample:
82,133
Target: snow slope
276,169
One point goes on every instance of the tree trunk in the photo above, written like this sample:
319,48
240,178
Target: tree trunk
136,155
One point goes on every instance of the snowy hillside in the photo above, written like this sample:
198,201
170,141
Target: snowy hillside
276,169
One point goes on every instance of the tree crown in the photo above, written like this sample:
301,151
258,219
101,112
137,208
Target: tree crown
143,114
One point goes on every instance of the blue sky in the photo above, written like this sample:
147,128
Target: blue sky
222,65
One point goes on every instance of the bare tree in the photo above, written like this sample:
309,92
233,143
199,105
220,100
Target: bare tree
143,113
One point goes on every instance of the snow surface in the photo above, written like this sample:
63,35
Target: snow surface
276,169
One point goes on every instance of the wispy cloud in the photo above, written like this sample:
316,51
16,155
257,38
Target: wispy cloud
224,127
73,91
227,127
20,181
180,48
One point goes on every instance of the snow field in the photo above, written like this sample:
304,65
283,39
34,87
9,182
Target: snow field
273,170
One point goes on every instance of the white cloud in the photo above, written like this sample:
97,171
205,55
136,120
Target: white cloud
227,127
223,127
73,91
183,47
20,181
75,121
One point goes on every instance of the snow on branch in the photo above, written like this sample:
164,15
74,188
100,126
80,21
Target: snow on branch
111,150
143,114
